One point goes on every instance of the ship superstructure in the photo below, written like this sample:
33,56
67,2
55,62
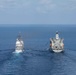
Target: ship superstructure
56,44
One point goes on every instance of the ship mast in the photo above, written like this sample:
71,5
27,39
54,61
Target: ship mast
57,35
19,36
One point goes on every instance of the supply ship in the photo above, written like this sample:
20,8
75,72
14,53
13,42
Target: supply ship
56,44
19,44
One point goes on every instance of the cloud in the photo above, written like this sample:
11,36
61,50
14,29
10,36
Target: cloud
68,5
40,6
14,3
45,6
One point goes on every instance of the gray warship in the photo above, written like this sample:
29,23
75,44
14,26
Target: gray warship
56,44
19,44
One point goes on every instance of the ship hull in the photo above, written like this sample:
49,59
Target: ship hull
57,51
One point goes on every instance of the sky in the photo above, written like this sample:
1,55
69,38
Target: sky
37,11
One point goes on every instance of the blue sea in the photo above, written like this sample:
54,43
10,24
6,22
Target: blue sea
36,58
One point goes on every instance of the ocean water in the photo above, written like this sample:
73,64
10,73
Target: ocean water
36,58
